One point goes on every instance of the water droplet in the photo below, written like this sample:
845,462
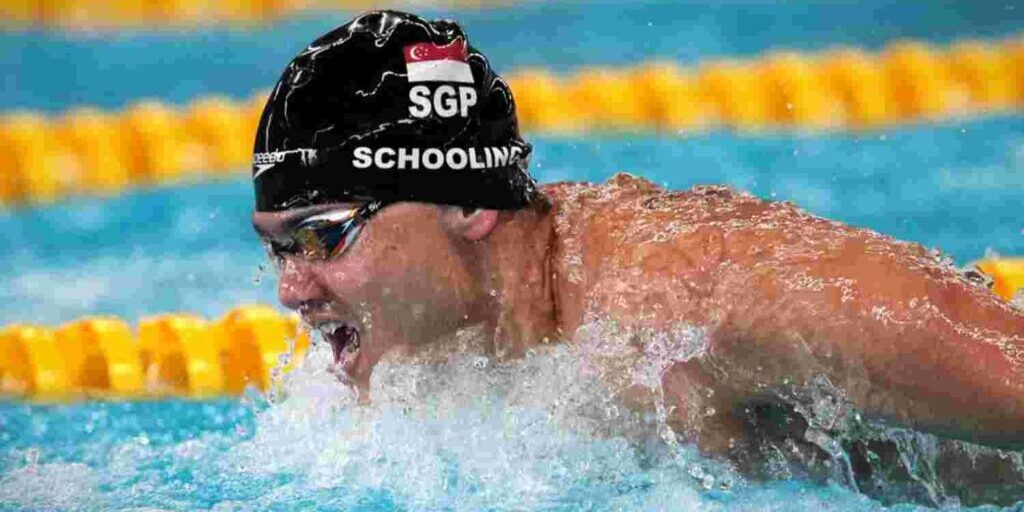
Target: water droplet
261,269
1018,298
32,457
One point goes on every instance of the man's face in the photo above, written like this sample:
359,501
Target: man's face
400,284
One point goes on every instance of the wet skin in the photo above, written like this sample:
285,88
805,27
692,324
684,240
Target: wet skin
784,298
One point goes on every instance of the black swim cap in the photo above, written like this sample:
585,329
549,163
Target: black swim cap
391,107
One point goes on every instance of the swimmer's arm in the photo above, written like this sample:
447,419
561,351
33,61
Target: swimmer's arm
905,338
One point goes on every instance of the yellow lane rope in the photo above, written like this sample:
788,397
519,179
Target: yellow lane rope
168,355
120,14
185,355
1007,276
87,151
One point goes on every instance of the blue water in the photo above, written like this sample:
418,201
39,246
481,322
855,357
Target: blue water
36,68
178,455
463,436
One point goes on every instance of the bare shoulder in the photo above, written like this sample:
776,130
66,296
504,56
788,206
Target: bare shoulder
629,247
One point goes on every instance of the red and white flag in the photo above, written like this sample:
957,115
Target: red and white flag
428,62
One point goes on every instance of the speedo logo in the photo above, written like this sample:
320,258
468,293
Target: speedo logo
434,158
268,158
263,162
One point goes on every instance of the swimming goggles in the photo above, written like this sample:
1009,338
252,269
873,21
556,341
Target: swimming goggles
325,235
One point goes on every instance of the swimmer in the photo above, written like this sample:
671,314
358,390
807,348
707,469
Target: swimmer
392,192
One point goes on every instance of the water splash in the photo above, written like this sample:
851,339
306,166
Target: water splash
462,432
33,485
813,430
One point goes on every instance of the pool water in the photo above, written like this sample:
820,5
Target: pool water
537,434
178,66
458,436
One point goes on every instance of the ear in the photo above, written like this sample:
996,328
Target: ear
472,225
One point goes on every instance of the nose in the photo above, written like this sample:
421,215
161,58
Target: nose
299,286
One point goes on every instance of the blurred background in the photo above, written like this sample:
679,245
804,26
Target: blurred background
126,132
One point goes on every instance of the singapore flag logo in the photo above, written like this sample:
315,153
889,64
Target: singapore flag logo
428,62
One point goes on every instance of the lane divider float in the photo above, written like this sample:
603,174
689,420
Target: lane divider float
120,14
1007,276
169,355
186,355
87,151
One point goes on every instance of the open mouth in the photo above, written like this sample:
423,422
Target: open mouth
344,340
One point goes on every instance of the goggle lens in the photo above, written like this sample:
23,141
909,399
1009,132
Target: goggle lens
325,235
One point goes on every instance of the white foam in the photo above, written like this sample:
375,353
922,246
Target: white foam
462,433
467,433
65,486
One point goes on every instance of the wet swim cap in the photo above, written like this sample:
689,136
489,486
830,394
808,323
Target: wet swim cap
391,107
